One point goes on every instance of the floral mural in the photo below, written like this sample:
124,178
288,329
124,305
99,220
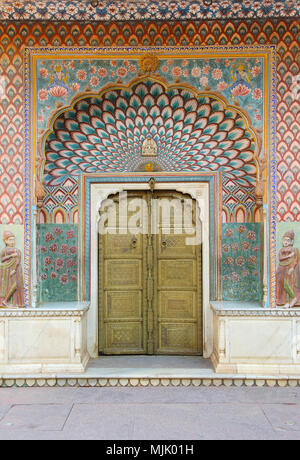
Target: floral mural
241,261
57,262
239,80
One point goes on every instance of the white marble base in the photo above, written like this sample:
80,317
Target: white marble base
44,340
249,339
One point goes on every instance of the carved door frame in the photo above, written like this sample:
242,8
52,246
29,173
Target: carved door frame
146,320
198,191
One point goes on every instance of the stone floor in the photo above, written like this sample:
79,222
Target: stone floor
150,413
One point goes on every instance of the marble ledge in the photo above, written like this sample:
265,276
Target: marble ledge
236,308
48,309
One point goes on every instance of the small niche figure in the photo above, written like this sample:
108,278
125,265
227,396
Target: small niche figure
11,276
288,273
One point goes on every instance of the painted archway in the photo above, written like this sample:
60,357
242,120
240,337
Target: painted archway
193,131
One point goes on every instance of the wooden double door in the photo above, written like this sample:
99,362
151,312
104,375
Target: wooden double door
150,281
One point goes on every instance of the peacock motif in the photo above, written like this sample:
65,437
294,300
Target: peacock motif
191,133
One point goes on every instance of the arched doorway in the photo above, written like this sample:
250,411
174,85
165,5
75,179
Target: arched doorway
150,274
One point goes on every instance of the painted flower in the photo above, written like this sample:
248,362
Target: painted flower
64,279
255,71
258,116
47,261
102,72
132,68
44,276
194,9
58,231
113,63
53,275
43,72
176,71
251,235
245,245
185,73
235,247
60,262
121,72
49,237
222,86
242,229
93,69
257,94
217,74
255,273
196,72
252,259
74,278
245,273
226,248
240,90
43,95
206,70
64,248
43,249
94,81
229,261
235,8
70,234
73,249
81,74
58,91
53,247
165,69
70,263
229,232
240,261
71,65
204,81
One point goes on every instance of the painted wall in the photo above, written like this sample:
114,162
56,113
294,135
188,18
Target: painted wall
13,35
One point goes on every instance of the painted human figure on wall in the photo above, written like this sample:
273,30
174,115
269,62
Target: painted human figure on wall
288,273
11,276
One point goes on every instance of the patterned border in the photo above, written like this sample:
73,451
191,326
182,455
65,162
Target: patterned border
145,10
149,382
269,51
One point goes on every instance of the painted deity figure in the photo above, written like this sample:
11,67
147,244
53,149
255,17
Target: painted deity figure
11,276
149,148
288,273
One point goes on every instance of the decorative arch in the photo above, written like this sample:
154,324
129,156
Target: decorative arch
194,131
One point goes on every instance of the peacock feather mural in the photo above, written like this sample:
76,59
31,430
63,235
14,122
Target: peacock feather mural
191,131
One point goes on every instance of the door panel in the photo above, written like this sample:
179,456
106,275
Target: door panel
121,291
150,285
176,274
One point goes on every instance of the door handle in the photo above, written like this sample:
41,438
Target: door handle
164,242
134,242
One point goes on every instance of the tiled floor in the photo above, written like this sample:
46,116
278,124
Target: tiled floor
150,413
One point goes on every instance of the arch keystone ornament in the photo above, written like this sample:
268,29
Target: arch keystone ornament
148,64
